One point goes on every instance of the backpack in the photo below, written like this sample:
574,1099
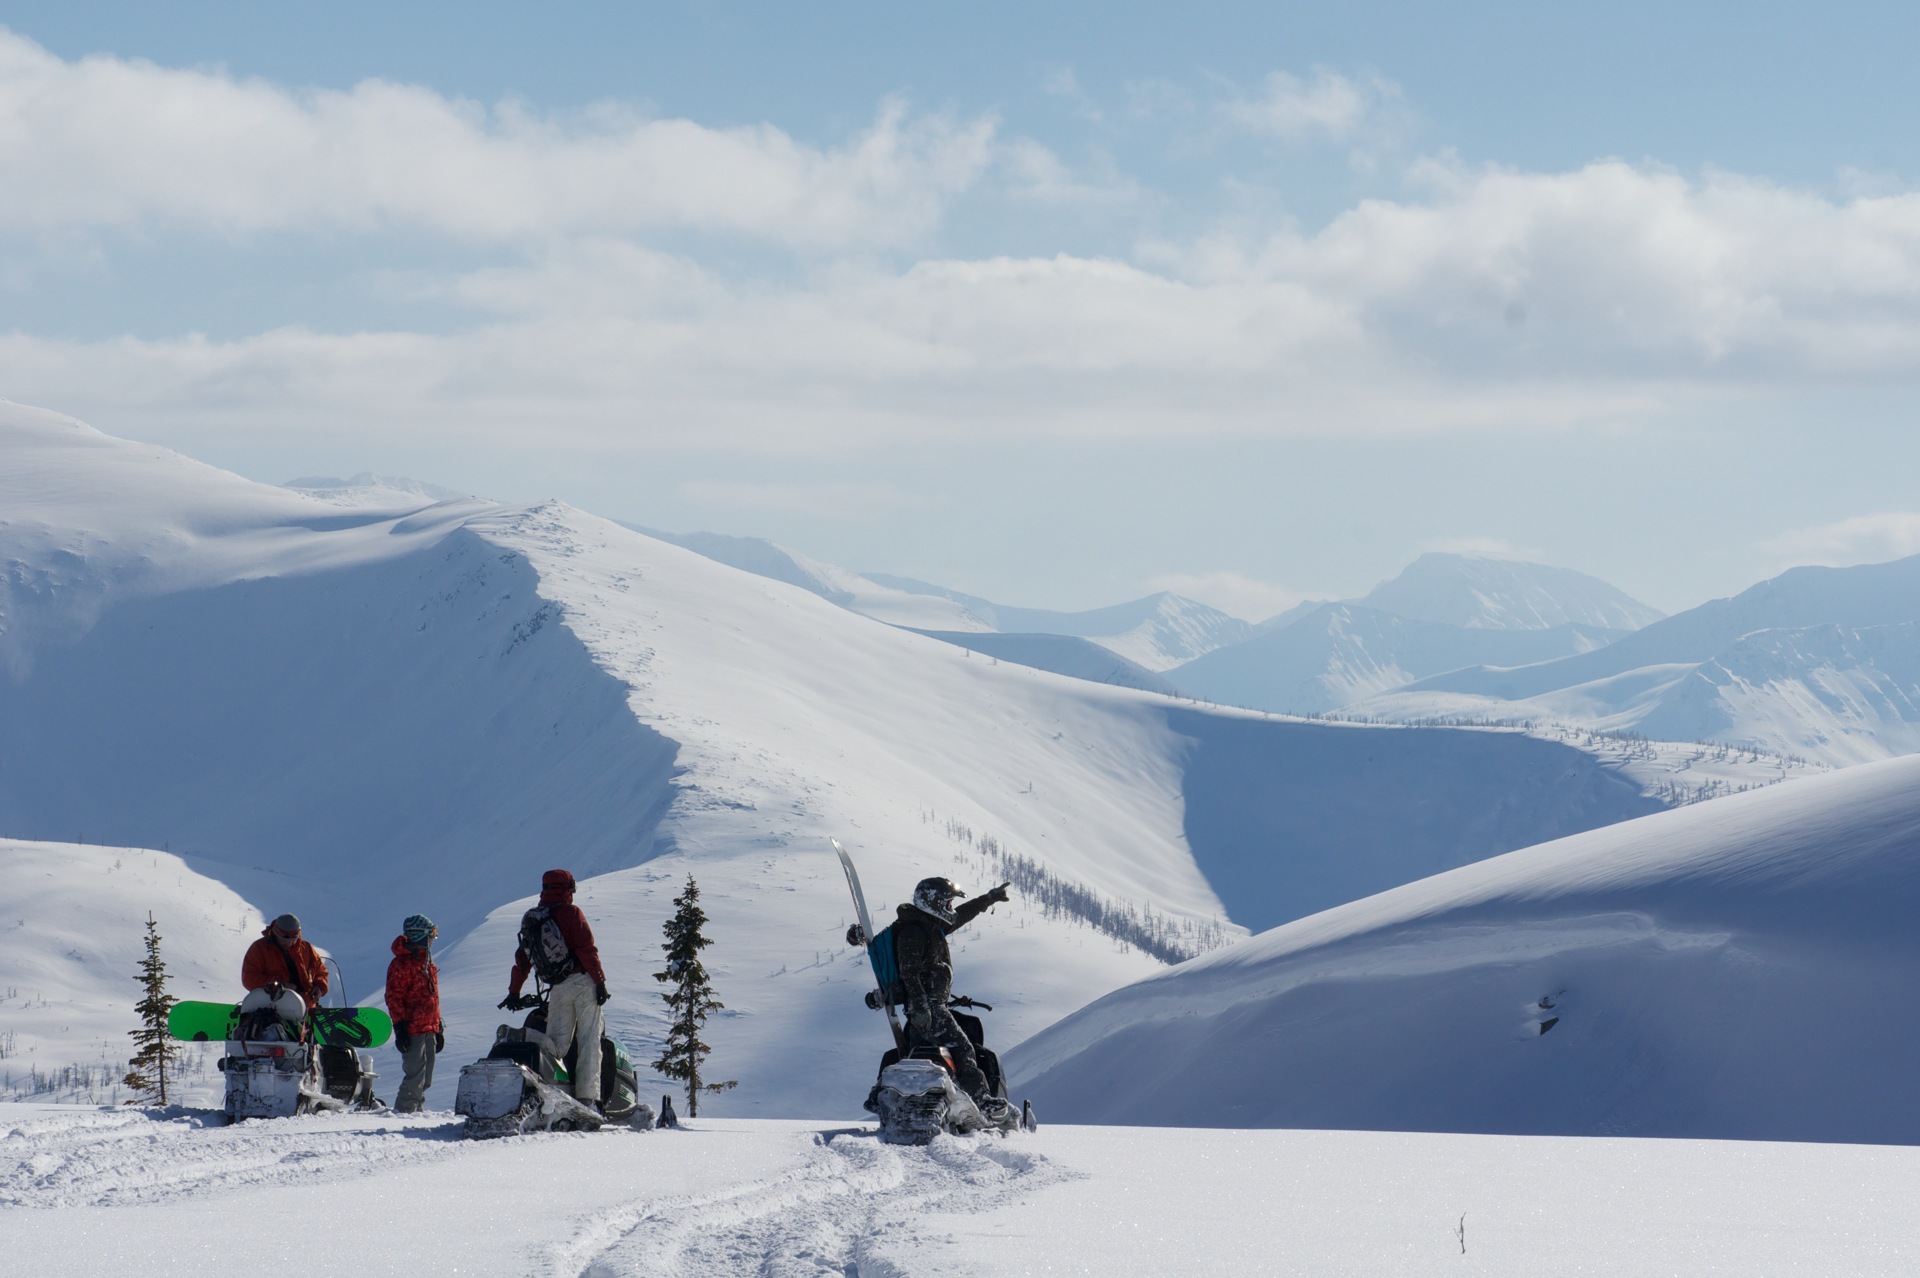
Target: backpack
886,967
543,943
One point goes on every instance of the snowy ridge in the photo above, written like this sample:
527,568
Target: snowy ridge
1721,970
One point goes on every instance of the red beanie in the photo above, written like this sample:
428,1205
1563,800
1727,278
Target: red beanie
556,880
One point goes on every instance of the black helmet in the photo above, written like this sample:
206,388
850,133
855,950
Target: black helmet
936,897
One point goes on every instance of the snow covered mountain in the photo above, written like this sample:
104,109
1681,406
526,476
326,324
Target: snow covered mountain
1340,654
1818,662
1723,970
1483,592
1150,634
1444,612
1156,632
360,713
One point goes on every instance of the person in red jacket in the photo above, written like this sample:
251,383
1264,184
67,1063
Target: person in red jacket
413,1001
281,958
557,944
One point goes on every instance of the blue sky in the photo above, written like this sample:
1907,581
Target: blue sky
1056,306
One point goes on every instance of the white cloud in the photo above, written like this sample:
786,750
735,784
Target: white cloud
107,142
1486,299
1327,107
1490,547
846,501
1236,593
1863,539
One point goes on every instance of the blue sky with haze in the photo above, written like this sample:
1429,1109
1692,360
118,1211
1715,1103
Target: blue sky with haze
1054,305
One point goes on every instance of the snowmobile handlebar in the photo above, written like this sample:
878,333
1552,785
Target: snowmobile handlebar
874,1001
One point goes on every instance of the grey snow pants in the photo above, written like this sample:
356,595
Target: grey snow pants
416,1074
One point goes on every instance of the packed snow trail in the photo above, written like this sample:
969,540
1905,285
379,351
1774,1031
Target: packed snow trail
51,1157
857,1207
91,1191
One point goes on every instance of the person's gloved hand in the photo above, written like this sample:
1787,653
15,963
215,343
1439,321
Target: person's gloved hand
402,1039
600,993
999,893
511,1003
439,1040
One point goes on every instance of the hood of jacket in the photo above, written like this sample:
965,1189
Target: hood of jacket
401,949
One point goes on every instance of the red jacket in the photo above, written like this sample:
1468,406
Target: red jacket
579,938
413,990
297,967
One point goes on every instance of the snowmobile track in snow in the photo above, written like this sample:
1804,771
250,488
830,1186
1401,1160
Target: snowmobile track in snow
111,1158
854,1209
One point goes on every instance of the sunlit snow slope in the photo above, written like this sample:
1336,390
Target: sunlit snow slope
1740,968
359,712
72,934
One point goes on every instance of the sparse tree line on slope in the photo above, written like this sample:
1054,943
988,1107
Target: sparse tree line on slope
1169,939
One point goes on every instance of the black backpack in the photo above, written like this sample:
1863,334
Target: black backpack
543,943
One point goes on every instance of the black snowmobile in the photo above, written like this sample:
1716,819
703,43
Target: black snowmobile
519,1086
916,1097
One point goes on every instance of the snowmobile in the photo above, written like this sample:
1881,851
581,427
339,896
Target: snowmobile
278,1065
519,1087
916,1097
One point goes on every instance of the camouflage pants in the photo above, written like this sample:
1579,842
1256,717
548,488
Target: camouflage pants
936,1026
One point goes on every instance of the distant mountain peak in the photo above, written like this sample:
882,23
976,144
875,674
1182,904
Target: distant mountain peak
1489,592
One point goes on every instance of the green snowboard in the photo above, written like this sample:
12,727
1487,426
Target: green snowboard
331,1026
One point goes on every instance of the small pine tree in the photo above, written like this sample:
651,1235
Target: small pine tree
147,1071
690,998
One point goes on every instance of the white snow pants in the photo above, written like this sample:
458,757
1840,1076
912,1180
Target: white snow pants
573,1015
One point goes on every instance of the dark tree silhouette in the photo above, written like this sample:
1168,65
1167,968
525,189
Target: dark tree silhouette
147,1071
689,996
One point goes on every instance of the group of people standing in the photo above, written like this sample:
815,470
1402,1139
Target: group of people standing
283,971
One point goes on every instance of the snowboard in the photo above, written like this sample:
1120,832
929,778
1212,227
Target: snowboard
866,930
331,1026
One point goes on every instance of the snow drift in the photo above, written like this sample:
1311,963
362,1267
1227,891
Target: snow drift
1740,968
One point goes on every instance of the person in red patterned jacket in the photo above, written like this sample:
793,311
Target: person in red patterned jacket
413,1001
556,943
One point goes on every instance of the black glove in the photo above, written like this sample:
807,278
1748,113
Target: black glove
439,1041
999,893
600,993
511,1003
402,1039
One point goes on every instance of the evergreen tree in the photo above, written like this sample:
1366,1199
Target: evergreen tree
690,998
147,1071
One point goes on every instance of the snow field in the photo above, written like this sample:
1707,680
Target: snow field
89,1191
1737,968
72,934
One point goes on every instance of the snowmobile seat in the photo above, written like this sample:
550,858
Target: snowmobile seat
522,1052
